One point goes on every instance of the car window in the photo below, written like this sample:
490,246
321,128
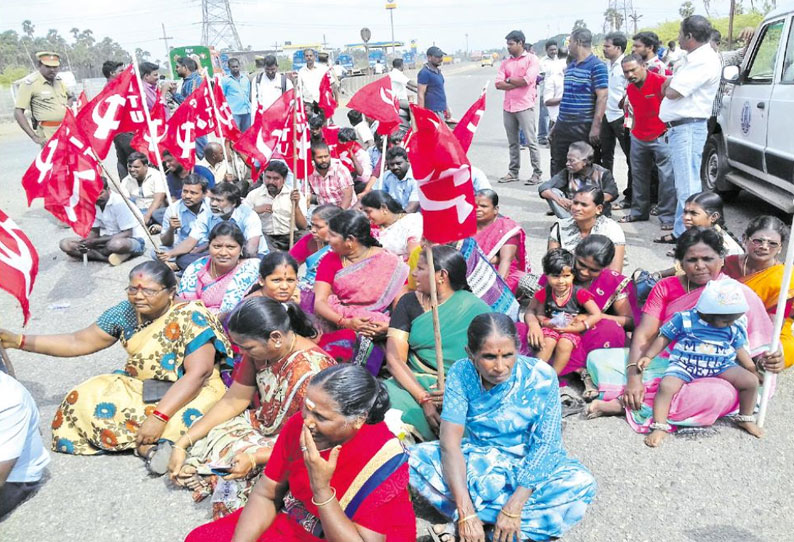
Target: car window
762,68
788,62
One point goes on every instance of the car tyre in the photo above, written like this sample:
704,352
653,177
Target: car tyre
714,169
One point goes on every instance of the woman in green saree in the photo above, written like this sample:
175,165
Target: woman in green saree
410,347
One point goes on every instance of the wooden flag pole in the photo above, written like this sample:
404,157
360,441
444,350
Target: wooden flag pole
383,158
152,131
7,361
780,316
431,266
294,166
218,120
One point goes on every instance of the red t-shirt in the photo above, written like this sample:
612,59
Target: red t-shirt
645,102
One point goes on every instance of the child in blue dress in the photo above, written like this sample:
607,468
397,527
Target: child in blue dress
707,341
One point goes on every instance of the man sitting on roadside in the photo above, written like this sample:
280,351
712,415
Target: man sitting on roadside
215,161
116,235
273,203
354,157
225,204
330,181
175,175
145,188
399,181
579,171
181,214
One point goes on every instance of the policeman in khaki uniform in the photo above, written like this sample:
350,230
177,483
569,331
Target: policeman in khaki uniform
45,95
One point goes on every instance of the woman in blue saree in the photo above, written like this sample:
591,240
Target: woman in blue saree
500,463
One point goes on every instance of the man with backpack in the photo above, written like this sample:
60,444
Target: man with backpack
268,85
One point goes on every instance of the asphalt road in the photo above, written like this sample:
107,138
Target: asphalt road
713,485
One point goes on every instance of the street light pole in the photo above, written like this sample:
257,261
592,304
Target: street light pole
467,45
390,7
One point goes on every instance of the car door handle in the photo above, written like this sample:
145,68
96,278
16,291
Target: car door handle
761,105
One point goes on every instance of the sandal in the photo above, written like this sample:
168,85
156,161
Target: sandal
590,390
509,178
670,253
632,218
655,210
619,206
157,458
571,403
666,239
666,227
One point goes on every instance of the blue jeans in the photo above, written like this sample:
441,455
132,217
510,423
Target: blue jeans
243,122
686,149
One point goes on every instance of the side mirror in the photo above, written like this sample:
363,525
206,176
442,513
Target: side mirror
730,74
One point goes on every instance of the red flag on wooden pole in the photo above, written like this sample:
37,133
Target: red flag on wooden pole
19,263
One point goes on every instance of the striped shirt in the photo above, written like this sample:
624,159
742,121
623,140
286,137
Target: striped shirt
582,79
330,189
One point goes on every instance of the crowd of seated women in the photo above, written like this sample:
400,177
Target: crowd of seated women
276,387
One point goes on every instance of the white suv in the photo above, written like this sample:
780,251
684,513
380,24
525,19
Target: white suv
751,146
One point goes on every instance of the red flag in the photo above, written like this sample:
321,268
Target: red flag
258,143
38,175
467,126
345,152
19,263
229,129
142,141
205,117
118,108
327,101
181,131
331,137
443,174
75,183
82,101
377,101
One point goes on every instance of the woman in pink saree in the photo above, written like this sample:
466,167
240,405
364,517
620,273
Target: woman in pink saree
356,284
701,402
502,239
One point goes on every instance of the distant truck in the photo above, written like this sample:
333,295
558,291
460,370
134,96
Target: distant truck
409,60
346,61
298,60
375,55
475,56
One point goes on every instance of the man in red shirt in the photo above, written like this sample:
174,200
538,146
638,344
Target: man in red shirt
649,144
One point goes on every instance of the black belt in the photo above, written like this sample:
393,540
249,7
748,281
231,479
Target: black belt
679,122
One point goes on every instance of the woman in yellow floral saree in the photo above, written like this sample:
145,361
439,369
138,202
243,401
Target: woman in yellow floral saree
170,379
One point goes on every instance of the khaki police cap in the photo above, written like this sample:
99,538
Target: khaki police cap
48,58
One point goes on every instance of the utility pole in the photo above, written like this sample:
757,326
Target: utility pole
390,7
217,25
730,24
635,17
165,38
467,45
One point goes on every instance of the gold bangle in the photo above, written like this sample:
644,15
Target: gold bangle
467,518
178,447
190,440
319,504
252,457
632,365
509,515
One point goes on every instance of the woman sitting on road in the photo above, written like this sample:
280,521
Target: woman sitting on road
705,210
221,279
170,378
357,283
615,296
410,346
510,470
502,240
336,472
762,272
231,442
701,402
311,249
278,278
586,219
398,232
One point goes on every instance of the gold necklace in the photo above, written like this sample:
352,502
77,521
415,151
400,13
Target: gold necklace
744,265
363,257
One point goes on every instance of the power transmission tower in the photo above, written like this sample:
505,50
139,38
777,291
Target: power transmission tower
635,17
217,25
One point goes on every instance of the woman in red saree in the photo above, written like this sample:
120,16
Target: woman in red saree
502,239
356,284
342,474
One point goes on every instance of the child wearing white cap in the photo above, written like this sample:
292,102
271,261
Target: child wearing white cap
707,341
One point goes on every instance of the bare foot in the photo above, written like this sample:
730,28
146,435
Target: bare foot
186,475
444,532
751,428
600,408
655,438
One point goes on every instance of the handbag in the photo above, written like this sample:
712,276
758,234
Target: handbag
644,281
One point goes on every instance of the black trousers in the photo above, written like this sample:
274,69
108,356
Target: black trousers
124,149
612,132
12,494
563,134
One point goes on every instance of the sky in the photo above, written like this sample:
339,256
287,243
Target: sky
261,23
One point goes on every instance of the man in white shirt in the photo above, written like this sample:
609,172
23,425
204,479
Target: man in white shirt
145,188
551,66
267,86
553,86
215,161
686,107
115,236
400,84
310,76
673,56
22,454
273,203
612,124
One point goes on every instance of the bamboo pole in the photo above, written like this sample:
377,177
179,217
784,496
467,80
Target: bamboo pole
436,324
294,166
152,130
780,317
218,120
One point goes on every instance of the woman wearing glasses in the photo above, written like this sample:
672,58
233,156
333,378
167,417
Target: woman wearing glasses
170,378
760,269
